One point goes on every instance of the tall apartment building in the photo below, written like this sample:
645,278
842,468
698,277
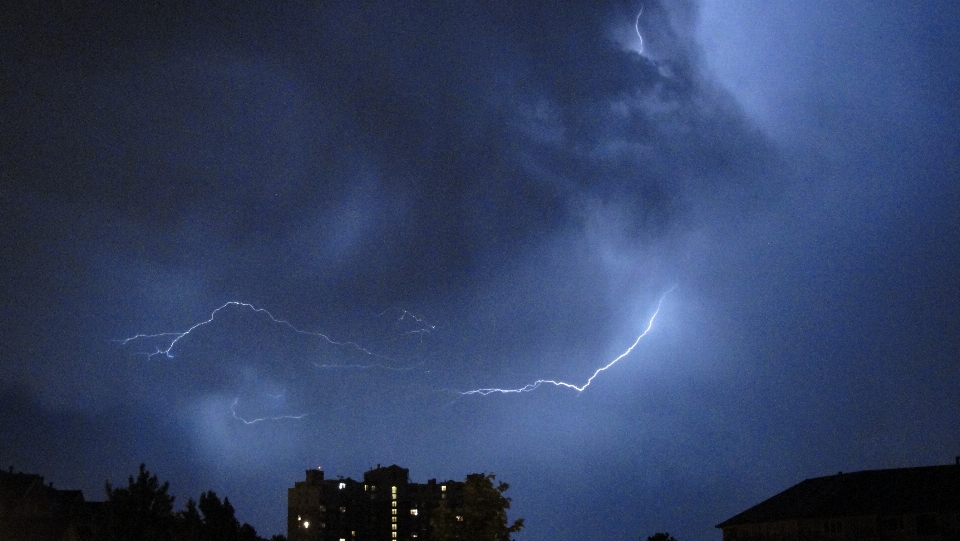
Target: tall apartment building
385,506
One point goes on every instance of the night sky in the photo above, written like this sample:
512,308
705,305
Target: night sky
479,195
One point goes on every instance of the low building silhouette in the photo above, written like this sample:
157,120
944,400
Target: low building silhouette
385,506
903,504
33,511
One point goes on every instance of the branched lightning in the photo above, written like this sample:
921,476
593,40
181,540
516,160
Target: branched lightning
169,341
531,386
177,336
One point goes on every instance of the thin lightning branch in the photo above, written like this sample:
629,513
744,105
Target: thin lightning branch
233,410
369,366
531,386
426,328
177,336
636,25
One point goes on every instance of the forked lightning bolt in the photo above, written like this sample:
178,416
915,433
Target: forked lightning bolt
531,386
177,336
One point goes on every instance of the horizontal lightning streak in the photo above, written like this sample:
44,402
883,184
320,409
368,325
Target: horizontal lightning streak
531,386
233,410
368,366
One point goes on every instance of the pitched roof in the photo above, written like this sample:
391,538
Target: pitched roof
871,492
15,486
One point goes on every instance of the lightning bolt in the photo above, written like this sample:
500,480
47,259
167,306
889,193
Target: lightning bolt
636,26
177,336
233,411
531,386
170,340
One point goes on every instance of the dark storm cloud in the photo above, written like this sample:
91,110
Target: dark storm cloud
440,109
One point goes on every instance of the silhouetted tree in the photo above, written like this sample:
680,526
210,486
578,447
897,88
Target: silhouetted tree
660,536
481,514
189,524
220,522
142,510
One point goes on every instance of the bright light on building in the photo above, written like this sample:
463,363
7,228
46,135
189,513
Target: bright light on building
413,512
306,524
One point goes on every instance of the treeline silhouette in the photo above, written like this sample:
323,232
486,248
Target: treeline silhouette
143,510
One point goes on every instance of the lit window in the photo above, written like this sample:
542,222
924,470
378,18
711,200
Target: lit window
459,518
393,511
393,490
413,535
343,509
365,488
343,539
413,512
393,527
299,517
393,519
393,535
343,486
393,503
306,524
443,488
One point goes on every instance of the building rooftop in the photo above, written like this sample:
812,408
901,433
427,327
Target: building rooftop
872,492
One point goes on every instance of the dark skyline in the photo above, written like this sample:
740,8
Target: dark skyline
482,196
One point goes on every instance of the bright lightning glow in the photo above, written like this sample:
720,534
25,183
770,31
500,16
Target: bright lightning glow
177,336
636,26
531,386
